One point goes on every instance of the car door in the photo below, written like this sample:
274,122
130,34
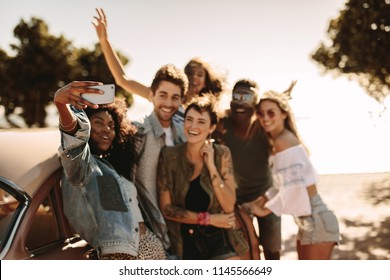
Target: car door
14,203
44,232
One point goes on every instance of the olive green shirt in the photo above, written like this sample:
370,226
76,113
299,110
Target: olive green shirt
174,173
250,161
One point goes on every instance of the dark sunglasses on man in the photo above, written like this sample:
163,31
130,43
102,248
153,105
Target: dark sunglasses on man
243,97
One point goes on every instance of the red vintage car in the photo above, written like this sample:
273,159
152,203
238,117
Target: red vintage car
32,222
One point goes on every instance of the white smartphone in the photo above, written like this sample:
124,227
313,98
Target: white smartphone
105,98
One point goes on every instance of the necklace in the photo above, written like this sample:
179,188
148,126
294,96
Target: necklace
105,155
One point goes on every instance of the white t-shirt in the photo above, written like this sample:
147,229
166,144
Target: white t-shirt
168,136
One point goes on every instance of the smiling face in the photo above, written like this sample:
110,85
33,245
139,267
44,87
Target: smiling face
166,101
242,104
271,117
197,78
102,131
197,126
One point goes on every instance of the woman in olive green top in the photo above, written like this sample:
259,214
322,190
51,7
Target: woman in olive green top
197,190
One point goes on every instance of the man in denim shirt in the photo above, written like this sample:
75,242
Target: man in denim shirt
156,131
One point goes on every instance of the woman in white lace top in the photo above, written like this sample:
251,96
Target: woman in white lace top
294,191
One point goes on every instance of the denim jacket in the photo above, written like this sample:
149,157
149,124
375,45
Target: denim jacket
152,140
100,204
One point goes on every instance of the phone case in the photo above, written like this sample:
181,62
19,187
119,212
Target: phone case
107,97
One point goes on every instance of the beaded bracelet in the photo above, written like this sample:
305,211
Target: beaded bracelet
203,218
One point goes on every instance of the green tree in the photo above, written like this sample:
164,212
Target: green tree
42,61
359,45
7,99
41,64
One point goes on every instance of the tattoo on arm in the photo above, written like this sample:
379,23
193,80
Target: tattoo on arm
228,163
214,177
175,212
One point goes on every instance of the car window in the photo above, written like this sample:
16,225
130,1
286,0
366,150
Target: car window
8,214
44,228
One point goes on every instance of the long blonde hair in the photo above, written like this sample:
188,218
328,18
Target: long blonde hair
282,100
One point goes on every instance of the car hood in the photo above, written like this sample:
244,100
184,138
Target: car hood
29,156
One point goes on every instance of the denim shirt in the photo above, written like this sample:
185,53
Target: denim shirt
100,204
152,140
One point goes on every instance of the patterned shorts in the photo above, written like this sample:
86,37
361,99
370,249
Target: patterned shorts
150,248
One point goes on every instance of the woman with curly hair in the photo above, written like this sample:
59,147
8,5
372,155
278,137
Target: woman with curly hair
202,79
99,157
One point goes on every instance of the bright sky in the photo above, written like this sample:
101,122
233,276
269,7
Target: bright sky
268,41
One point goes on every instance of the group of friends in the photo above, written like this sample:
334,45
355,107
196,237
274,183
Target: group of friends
166,187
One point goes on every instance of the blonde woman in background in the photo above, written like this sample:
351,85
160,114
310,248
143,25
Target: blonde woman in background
294,191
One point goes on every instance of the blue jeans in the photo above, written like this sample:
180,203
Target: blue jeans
270,233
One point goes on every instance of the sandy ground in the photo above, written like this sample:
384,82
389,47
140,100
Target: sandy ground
362,204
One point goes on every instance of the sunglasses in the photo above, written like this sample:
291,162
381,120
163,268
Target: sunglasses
269,113
243,97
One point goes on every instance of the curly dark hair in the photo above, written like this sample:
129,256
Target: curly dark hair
247,83
123,155
215,82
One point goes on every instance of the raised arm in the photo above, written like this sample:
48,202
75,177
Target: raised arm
74,152
113,61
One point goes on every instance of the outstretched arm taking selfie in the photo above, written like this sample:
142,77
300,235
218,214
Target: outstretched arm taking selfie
71,95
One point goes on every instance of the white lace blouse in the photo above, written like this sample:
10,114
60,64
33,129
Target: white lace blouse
292,172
